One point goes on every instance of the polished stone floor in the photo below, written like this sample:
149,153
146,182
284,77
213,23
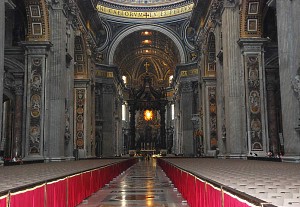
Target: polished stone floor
142,185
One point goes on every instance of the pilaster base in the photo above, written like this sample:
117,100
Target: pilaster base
70,158
257,154
33,159
55,159
293,159
81,154
233,156
163,152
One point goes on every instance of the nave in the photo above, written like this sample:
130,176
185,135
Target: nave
142,185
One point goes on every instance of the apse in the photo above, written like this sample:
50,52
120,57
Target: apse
147,52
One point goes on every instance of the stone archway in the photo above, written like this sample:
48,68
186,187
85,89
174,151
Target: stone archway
128,31
13,106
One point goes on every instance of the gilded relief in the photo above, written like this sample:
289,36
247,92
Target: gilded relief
35,11
35,103
213,117
37,19
251,19
253,8
80,102
35,81
254,102
35,134
134,14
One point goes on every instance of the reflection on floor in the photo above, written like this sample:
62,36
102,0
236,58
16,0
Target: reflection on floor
143,185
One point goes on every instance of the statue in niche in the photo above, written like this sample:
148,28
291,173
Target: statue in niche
36,81
190,35
67,127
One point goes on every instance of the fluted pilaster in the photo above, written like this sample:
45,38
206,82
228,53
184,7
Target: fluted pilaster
186,99
2,39
233,82
17,139
35,78
288,27
56,86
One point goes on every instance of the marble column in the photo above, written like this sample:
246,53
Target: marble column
177,138
108,119
56,86
220,94
233,82
273,123
69,105
186,116
98,118
118,125
17,139
162,113
288,27
253,61
132,126
210,114
35,77
2,40
81,116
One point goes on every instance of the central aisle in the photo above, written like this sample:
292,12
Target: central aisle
142,185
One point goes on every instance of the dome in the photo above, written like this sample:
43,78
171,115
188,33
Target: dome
145,9
144,3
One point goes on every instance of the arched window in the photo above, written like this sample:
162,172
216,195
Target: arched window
124,78
170,79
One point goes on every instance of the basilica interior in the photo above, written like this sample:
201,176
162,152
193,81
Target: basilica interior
112,78
149,103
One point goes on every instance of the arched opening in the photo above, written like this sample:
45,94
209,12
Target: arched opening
147,51
7,128
275,132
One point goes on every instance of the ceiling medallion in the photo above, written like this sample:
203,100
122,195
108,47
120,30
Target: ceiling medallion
148,115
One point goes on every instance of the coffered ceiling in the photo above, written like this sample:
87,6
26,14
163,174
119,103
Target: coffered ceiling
147,51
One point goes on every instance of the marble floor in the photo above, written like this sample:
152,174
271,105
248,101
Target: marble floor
142,185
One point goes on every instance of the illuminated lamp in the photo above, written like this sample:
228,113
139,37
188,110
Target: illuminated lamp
146,42
146,33
148,115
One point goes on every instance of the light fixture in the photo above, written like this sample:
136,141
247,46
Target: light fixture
148,115
146,33
146,42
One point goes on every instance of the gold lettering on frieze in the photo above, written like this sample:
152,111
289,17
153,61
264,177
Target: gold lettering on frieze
193,72
144,14
110,74
100,73
183,73
189,72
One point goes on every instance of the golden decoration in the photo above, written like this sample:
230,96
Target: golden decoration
143,14
148,115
